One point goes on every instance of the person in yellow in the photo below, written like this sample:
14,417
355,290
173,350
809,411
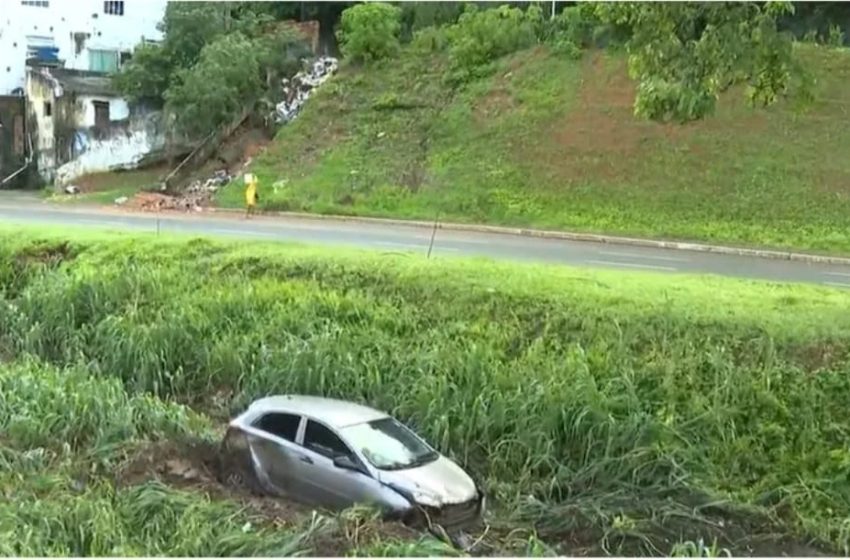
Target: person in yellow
251,195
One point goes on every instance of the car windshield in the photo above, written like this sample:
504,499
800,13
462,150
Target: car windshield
389,445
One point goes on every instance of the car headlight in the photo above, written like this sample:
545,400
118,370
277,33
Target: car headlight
426,499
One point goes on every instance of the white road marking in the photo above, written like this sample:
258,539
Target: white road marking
636,256
631,265
837,284
844,274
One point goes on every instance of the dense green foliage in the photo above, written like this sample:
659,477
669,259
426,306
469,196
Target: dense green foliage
622,404
480,37
683,55
217,60
370,31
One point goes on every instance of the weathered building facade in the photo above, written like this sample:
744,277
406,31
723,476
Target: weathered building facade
81,125
14,148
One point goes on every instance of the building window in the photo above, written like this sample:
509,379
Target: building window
103,61
48,109
101,114
114,7
36,3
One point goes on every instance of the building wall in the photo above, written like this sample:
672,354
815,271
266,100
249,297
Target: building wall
75,27
12,135
41,90
119,109
69,144
124,145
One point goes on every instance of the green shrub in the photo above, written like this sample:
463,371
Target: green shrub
481,36
573,30
370,32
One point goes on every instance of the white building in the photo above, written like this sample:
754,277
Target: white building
92,35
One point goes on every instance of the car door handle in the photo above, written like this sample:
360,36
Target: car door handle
306,459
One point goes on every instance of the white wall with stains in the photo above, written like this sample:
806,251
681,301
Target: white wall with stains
120,150
26,23
119,109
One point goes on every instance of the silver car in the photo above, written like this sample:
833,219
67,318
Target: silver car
336,454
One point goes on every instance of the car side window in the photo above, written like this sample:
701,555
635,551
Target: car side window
323,441
280,424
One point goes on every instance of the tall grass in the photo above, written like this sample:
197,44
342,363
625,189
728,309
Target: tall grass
616,402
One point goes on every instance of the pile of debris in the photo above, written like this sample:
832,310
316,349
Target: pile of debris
211,184
299,89
200,192
197,195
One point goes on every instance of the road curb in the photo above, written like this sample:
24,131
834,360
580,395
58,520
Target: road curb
564,235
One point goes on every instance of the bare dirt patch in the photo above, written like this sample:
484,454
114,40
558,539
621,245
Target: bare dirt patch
142,177
201,466
602,138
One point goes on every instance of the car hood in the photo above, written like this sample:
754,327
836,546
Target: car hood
442,479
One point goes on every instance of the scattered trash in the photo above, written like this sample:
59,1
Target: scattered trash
299,89
121,200
72,189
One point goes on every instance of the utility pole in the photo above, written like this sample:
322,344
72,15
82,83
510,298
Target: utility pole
553,10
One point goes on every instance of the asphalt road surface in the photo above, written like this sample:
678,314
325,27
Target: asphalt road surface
23,210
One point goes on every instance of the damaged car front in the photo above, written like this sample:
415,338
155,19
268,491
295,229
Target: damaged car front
437,489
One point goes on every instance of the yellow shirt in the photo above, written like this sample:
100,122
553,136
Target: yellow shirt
251,193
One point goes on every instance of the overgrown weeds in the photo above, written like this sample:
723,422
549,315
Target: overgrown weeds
606,409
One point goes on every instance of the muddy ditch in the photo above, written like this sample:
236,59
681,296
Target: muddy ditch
202,466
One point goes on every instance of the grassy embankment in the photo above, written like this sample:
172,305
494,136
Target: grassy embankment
552,143
607,412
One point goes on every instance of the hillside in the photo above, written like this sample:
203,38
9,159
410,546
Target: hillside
552,143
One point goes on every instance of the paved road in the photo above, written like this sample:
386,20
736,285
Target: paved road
20,209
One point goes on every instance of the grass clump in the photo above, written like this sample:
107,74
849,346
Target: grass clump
618,411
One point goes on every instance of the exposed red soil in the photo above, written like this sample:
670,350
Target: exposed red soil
602,138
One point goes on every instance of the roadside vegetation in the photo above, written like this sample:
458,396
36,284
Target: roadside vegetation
499,116
605,412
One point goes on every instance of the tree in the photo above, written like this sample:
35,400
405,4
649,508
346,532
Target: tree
370,32
683,55
187,28
213,91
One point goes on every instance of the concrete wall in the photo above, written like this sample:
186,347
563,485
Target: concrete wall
22,25
119,110
41,90
125,145
12,135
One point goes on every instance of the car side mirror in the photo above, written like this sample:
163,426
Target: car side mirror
347,463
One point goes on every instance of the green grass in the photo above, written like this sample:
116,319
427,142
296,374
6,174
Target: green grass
552,143
612,412
104,188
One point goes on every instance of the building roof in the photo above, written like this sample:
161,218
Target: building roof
78,82
333,412
84,83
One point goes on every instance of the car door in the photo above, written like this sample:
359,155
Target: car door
275,450
328,484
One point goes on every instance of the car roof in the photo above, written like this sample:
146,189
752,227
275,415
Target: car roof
334,412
